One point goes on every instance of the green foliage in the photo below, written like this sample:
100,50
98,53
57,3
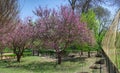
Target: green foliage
27,53
7,50
90,19
101,36
37,42
45,51
95,25
75,48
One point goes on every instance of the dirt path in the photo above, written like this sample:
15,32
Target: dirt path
6,56
91,62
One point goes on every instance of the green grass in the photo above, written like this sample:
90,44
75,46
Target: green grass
41,65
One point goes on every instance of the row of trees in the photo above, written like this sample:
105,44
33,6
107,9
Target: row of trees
54,29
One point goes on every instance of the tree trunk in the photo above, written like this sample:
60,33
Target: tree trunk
1,55
86,6
99,46
72,3
88,54
59,58
33,53
81,52
18,52
37,52
18,57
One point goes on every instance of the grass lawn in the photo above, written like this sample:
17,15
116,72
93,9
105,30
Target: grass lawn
34,64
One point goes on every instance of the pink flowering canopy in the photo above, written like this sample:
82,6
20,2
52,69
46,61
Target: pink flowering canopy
19,39
21,35
59,28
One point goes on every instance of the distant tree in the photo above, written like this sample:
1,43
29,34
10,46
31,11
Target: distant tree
84,5
103,15
101,12
72,3
92,24
98,21
58,29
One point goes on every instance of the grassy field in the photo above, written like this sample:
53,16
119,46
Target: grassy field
41,65
46,65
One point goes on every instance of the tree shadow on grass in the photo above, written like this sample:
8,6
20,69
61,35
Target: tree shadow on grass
75,59
36,66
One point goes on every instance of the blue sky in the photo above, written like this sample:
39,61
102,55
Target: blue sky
28,6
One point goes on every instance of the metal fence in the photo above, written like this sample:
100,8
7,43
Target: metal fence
111,68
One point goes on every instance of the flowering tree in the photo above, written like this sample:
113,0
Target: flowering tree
20,39
58,29
8,15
